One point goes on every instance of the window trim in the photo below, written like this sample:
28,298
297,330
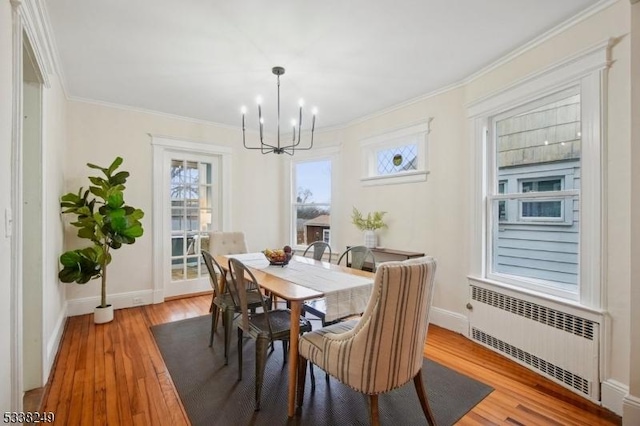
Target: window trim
417,133
588,69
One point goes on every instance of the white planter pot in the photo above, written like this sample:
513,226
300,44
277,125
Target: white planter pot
103,315
370,239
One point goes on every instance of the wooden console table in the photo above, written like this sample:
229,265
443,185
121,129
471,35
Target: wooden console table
383,254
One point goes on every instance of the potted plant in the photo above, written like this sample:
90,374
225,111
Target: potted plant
102,217
369,224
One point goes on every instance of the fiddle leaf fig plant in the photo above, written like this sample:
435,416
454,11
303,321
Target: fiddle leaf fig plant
102,217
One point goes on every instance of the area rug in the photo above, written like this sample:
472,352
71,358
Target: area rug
212,395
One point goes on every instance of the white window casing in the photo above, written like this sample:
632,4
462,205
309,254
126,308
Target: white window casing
413,134
586,70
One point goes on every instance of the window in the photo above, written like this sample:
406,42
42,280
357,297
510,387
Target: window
531,144
398,159
398,156
536,210
537,182
311,206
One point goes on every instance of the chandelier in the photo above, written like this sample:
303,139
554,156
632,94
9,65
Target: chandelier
280,148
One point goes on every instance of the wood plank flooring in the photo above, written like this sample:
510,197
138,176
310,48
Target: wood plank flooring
114,374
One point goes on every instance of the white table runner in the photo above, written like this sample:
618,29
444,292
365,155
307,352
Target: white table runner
345,294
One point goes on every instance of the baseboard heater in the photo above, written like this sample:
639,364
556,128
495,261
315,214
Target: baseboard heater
561,346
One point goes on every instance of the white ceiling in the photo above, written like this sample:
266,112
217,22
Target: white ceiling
204,59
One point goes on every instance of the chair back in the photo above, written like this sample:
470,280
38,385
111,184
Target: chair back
319,248
241,280
385,349
222,243
360,255
212,266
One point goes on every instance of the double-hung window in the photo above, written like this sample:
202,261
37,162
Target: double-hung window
537,182
311,200
535,162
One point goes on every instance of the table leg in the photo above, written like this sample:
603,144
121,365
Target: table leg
296,308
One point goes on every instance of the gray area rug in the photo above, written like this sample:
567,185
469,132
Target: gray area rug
211,394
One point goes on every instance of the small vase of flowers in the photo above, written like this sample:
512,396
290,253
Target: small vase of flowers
368,224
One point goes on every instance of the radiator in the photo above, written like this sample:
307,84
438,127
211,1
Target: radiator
558,345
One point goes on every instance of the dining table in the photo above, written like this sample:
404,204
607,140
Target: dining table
346,292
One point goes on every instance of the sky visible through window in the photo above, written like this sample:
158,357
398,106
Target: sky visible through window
316,177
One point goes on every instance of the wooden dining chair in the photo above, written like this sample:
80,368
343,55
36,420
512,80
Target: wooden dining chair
264,327
319,248
222,302
383,350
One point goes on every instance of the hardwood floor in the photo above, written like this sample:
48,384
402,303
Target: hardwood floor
113,374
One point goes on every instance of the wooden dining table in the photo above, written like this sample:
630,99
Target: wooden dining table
295,291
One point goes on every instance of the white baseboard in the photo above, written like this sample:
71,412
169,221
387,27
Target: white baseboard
613,394
450,320
54,342
631,411
119,301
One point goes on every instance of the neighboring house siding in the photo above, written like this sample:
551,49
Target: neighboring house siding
535,249
541,144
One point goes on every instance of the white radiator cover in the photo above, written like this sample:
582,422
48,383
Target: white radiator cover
559,345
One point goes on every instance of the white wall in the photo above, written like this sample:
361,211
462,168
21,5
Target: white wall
99,133
54,147
5,202
632,404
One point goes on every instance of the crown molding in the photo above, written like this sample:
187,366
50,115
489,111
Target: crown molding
542,38
530,45
151,112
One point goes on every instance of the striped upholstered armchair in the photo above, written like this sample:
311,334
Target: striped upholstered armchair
383,350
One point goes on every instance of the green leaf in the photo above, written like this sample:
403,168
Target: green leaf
98,192
115,200
116,163
119,178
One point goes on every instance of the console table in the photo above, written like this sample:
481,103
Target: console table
383,254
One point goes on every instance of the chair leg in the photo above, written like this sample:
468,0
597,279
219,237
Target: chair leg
239,354
374,415
302,372
422,396
214,322
285,347
228,324
262,344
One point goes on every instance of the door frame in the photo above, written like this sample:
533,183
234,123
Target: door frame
162,145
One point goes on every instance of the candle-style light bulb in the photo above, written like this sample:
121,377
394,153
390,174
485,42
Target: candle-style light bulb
261,120
293,122
314,111
259,100
301,103
243,110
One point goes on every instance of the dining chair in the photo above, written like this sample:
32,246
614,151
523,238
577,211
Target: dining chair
382,350
264,327
361,257
223,242
222,301
227,242
319,248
